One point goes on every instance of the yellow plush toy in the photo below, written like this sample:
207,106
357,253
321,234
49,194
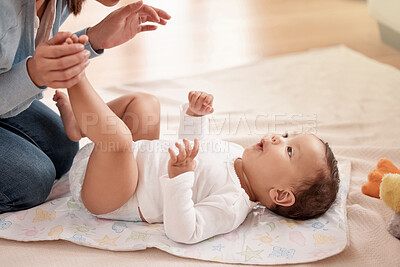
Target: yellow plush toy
390,194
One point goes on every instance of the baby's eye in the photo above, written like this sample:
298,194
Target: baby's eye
289,151
285,135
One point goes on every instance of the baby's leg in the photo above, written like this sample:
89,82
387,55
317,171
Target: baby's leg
112,174
139,111
71,127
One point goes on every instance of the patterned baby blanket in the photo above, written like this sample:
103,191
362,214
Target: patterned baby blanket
263,238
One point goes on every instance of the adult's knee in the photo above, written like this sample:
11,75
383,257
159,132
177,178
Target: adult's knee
64,155
28,184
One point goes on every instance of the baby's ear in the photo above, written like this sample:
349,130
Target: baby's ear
282,197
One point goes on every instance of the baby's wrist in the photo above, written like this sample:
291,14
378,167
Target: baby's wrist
191,113
172,173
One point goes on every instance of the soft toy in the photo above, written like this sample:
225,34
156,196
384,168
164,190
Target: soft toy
371,187
390,194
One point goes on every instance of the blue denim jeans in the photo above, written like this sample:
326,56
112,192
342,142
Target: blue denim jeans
34,151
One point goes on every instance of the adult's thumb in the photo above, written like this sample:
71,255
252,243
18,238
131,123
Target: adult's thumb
59,38
130,9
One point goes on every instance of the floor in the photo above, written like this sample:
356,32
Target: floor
210,35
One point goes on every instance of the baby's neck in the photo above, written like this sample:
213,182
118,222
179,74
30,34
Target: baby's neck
238,165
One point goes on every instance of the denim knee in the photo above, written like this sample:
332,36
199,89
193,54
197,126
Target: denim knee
64,155
29,187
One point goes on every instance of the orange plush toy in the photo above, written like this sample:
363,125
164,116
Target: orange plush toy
371,187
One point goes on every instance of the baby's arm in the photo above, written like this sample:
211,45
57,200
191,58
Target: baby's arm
188,222
193,118
184,220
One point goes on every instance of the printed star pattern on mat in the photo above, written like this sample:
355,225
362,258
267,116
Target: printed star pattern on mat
43,215
107,241
249,253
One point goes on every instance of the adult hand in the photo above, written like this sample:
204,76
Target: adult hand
124,23
57,65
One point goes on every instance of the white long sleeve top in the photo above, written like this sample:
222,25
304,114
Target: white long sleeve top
195,205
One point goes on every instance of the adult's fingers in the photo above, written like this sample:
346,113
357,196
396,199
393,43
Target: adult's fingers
150,12
59,38
56,51
146,28
161,13
67,84
65,75
128,10
67,61
135,7
145,18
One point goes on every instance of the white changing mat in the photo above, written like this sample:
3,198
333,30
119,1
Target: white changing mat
263,238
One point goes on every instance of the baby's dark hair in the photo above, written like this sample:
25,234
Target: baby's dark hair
316,195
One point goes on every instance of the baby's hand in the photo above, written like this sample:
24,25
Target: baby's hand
200,103
184,162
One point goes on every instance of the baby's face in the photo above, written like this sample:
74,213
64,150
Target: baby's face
282,161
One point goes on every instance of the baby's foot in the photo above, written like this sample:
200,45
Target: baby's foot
68,118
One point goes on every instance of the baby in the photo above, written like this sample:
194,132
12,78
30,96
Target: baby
208,187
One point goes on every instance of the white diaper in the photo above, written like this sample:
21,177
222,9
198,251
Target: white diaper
127,212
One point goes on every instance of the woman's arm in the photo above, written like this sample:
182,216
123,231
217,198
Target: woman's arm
52,64
16,86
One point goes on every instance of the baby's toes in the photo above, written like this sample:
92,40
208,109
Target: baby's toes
60,103
61,95
56,97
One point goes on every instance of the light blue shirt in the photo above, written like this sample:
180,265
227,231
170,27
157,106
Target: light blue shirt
17,45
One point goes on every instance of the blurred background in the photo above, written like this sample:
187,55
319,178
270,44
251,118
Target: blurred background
208,35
